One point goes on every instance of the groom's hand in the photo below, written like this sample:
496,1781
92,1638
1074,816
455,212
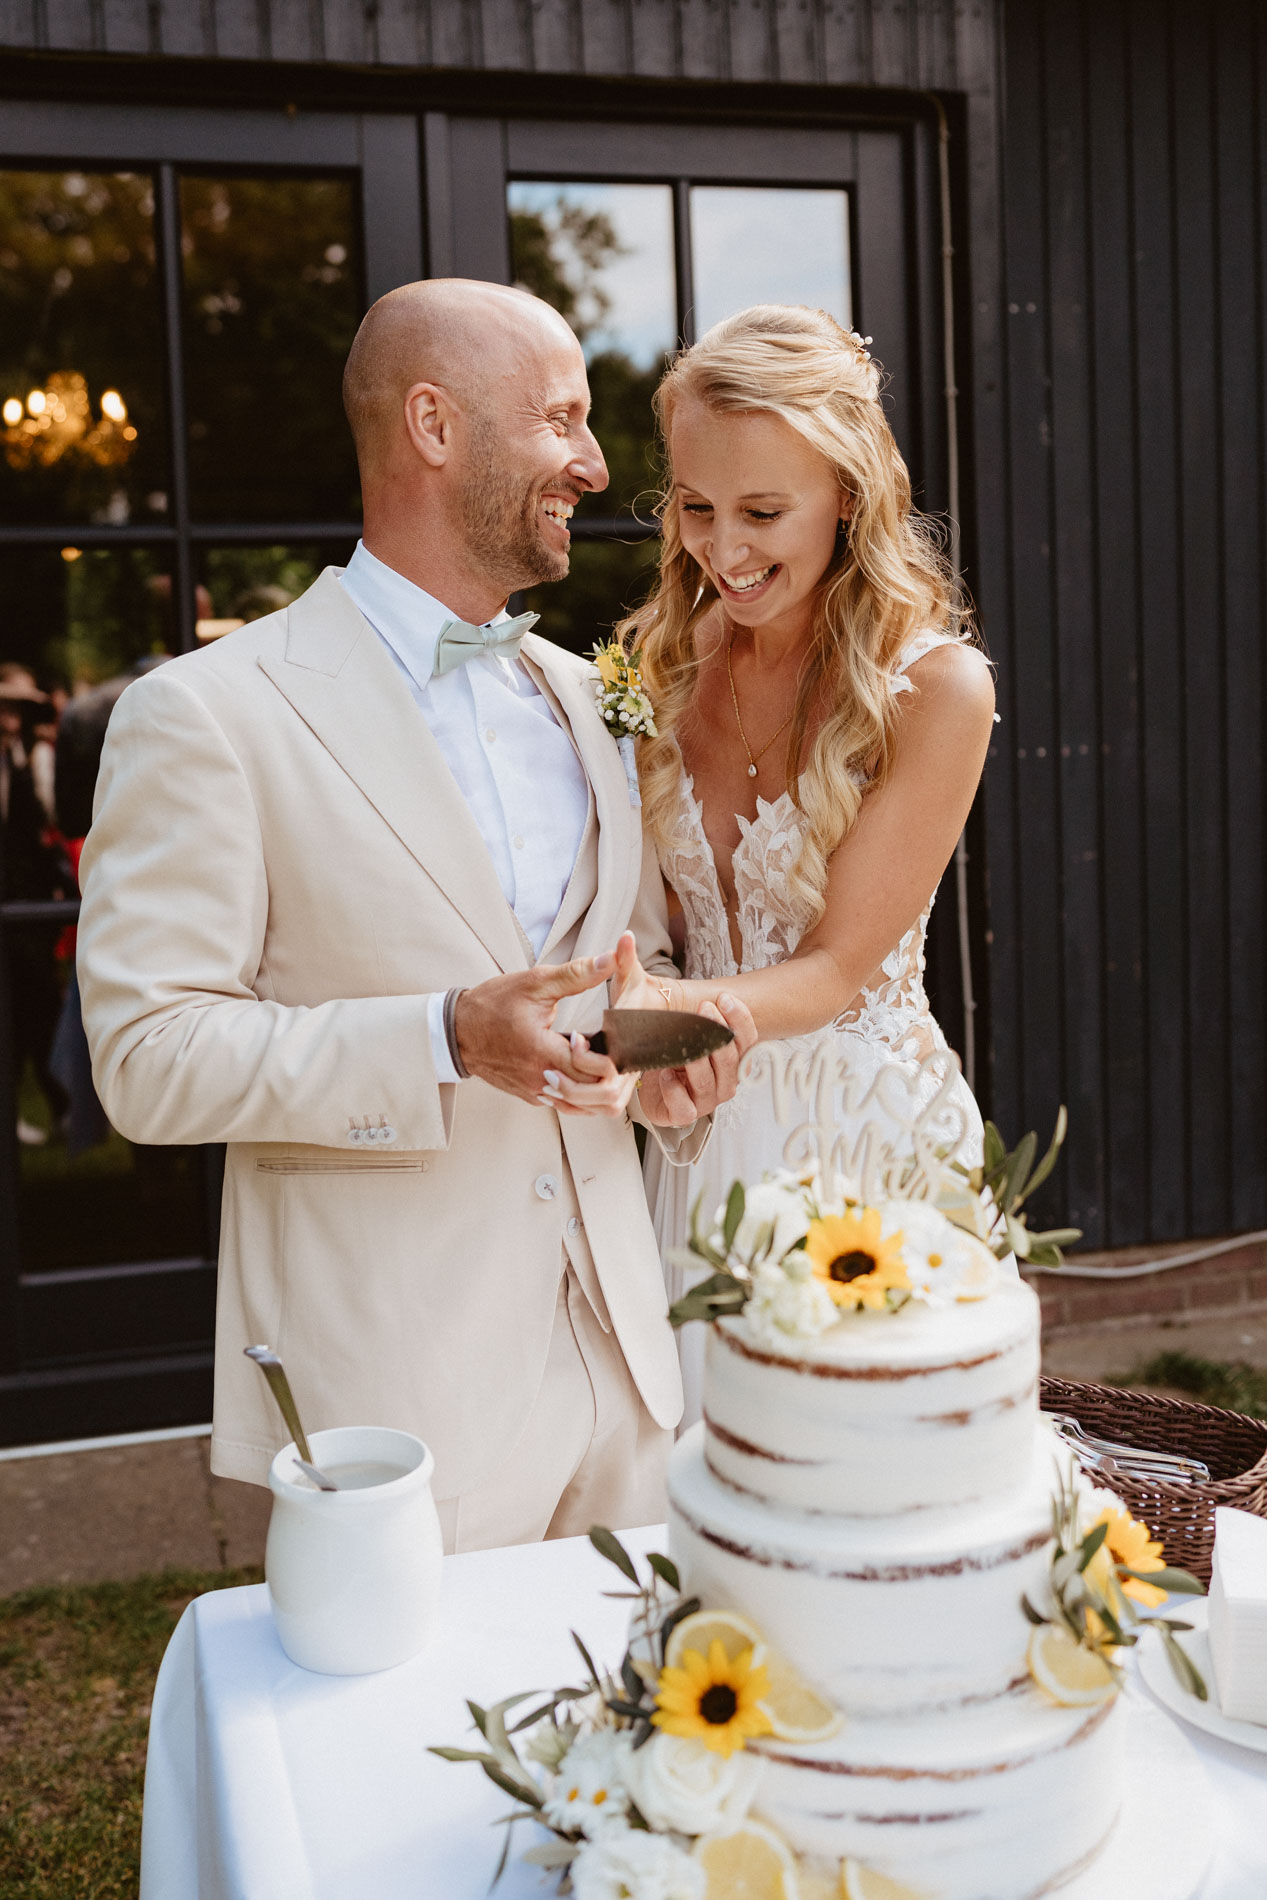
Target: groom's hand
505,1035
675,1098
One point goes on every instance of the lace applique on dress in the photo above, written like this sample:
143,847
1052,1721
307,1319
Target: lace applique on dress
891,1009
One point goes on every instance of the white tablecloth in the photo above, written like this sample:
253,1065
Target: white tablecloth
265,1782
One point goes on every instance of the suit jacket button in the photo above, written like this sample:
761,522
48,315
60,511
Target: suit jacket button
545,1187
574,1228
386,1133
356,1134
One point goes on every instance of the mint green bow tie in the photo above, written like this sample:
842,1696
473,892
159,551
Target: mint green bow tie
460,642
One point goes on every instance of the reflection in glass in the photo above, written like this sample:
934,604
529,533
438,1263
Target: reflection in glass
245,583
272,295
606,580
83,435
603,256
85,1195
769,244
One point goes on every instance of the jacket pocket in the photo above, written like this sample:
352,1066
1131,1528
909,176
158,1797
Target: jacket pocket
342,1164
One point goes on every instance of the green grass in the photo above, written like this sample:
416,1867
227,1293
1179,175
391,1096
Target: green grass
1235,1385
77,1669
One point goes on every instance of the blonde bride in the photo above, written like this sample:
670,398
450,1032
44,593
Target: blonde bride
823,716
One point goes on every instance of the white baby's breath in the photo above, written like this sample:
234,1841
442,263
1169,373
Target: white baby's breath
628,1862
590,1795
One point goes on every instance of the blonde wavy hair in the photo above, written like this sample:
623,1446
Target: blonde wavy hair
887,579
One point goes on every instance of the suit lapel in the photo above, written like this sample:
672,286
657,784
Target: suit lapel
619,825
342,681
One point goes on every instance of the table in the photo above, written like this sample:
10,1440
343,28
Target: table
265,1782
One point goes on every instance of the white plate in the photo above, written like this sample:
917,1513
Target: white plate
1164,1838
1161,1679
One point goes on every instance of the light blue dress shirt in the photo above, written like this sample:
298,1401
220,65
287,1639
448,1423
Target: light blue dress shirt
512,761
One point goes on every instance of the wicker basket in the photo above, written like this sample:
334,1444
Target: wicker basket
1181,1515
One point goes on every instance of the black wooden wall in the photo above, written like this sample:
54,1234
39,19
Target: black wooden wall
1109,194
1121,582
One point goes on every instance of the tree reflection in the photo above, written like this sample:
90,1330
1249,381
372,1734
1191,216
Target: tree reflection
561,256
78,293
272,282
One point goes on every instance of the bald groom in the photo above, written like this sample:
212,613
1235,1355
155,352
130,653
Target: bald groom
352,894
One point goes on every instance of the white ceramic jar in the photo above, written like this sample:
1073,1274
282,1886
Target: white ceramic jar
353,1575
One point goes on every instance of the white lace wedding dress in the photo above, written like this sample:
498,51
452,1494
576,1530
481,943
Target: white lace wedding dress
889,1022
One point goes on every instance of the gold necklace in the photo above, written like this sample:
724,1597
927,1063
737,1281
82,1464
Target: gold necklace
734,698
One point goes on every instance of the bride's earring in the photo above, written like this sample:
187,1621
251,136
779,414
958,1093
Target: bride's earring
842,535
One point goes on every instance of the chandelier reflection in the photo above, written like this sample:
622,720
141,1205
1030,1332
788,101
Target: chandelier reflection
56,424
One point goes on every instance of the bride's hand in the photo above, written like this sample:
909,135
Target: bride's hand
677,1098
632,988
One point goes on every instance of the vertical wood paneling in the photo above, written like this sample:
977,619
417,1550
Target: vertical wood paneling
1204,648
1029,724
797,42
346,30
1110,362
606,37
507,37
183,28
556,36
1160,582
290,28
846,45
704,39
748,39
1073,501
1239,362
656,39
69,24
401,33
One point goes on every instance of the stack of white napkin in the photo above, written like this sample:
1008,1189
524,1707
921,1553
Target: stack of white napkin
1238,1614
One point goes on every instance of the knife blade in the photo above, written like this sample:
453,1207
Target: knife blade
645,1039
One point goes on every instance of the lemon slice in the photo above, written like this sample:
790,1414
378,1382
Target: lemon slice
1071,1675
748,1863
797,1713
864,1883
980,1276
706,1627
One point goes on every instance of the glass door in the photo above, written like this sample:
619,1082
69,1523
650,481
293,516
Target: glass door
179,293
646,235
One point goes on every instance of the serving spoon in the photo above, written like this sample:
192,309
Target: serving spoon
279,1385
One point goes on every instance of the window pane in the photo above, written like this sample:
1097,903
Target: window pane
86,1197
603,256
245,583
607,579
272,299
81,349
766,244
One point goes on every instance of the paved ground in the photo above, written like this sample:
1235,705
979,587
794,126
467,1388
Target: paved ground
119,1512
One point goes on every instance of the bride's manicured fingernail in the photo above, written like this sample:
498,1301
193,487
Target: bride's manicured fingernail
552,1078
578,1042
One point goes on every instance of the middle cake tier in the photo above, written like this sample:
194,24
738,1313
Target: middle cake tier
882,1615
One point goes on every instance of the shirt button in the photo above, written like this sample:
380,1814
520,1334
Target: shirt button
490,735
518,842
574,1228
545,1187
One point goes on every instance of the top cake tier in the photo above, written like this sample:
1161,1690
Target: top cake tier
884,1413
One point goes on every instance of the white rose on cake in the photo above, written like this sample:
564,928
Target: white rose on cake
679,1784
775,1213
590,1794
627,1861
789,1302
943,1262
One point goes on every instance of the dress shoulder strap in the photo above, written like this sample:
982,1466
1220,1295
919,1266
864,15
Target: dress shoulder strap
917,647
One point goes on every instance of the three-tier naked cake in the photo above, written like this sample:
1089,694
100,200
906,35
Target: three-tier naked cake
876,1501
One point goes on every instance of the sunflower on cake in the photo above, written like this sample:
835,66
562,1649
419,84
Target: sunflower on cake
881,1658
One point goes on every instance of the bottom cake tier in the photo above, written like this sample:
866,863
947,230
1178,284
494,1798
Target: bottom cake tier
1004,1802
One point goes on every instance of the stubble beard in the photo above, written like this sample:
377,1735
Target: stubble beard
499,517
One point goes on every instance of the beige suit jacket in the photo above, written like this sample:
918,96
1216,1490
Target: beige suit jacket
280,869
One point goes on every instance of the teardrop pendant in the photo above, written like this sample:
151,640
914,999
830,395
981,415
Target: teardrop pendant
752,771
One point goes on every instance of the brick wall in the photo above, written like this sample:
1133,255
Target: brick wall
1230,1281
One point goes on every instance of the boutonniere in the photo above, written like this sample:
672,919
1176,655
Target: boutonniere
623,705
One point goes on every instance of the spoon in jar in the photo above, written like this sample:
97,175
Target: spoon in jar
279,1385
